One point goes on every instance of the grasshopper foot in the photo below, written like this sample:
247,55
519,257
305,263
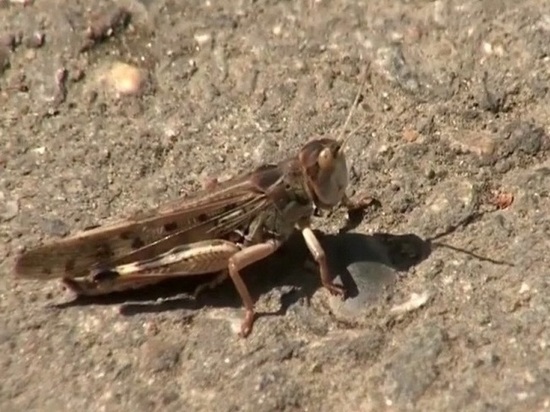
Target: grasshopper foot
336,290
248,322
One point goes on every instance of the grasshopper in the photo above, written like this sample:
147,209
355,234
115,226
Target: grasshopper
222,230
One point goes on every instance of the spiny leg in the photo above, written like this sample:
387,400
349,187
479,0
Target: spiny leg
320,257
356,209
90,287
185,260
239,261
360,203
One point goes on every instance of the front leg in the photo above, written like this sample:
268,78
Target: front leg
360,203
356,211
320,257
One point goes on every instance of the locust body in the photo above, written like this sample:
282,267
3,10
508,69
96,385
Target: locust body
222,229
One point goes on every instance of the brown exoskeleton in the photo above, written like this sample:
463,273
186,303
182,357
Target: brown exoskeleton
223,229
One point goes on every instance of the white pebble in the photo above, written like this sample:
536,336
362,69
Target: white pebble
125,79
416,301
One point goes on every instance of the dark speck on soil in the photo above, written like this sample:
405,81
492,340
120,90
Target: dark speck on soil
456,104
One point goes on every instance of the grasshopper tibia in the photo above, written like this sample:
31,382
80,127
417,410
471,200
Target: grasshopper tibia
91,287
318,254
239,261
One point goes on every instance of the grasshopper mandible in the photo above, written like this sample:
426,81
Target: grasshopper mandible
220,230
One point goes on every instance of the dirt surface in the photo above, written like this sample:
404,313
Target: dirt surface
456,143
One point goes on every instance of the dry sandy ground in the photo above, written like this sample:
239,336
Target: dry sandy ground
457,125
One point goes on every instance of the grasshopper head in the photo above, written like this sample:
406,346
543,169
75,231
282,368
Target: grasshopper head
324,165
326,172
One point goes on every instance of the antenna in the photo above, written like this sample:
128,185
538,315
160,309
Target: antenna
350,114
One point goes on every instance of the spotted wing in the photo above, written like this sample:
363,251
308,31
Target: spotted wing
207,215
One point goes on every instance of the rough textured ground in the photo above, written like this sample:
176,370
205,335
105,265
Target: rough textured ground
458,114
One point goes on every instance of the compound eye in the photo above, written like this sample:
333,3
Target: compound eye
325,160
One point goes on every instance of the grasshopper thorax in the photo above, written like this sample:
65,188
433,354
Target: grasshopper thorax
325,170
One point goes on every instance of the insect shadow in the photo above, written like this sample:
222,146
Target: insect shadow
359,261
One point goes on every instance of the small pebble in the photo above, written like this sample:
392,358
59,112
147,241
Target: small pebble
524,288
202,39
125,79
479,143
416,301
410,135
105,25
36,40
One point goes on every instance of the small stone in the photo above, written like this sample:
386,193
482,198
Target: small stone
108,23
522,396
203,39
416,301
524,288
487,47
410,135
501,200
479,143
151,328
124,79
35,41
